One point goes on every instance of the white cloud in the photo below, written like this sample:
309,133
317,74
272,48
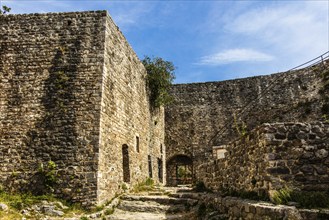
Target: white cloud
291,29
235,55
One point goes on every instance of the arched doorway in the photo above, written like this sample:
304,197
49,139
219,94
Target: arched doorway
125,163
179,170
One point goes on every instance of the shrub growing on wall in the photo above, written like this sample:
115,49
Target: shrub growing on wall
160,75
4,10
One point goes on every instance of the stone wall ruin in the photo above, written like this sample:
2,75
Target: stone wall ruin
272,157
211,114
74,92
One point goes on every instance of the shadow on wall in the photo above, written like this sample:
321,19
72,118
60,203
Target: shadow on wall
55,134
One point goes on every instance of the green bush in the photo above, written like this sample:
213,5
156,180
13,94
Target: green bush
147,185
282,196
48,174
241,127
98,208
108,211
4,10
160,75
252,195
19,201
124,187
149,182
311,199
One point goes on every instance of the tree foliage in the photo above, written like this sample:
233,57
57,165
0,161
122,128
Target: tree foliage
160,75
4,10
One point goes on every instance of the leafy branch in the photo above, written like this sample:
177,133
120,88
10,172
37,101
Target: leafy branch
4,10
160,75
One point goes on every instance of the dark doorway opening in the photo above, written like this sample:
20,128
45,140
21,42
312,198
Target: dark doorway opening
160,170
150,166
125,163
137,144
179,170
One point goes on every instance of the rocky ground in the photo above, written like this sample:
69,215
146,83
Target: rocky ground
156,203
160,203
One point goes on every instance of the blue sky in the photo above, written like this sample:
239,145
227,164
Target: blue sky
212,40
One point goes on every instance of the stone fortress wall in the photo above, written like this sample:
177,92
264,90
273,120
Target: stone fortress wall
273,157
73,92
126,118
195,121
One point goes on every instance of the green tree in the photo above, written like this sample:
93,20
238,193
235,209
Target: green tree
160,75
4,10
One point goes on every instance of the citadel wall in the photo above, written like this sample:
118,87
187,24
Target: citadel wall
73,92
126,119
50,71
272,157
195,121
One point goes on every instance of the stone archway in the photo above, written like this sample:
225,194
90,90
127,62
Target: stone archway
179,170
125,163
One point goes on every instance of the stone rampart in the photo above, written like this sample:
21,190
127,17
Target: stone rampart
272,157
210,114
237,208
126,119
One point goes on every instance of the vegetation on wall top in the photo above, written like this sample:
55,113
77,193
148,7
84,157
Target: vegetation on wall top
4,10
160,75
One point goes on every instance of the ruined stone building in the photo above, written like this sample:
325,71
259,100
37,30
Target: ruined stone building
209,121
74,92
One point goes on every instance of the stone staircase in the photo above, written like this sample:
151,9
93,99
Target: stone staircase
163,203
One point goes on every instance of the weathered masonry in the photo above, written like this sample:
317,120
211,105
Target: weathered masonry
272,157
206,117
74,92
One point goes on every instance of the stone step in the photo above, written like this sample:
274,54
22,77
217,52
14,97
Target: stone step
177,189
151,206
184,189
124,215
186,195
160,199
157,193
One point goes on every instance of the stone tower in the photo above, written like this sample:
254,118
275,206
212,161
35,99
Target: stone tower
74,92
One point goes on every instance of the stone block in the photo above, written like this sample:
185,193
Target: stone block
280,136
278,170
307,169
322,153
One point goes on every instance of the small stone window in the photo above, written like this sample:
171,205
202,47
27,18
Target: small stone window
219,151
161,149
137,144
